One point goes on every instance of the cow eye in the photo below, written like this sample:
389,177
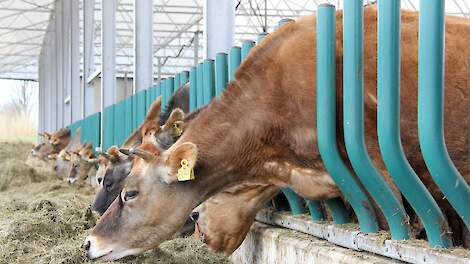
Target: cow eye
130,195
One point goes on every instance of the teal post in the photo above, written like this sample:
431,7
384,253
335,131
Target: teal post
261,36
177,83
118,126
431,108
246,47
192,89
128,127
108,120
388,121
295,202
338,210
141,110
283,21
184,77
208,80
134,112
159,90
234,62
199,86
354,122
170,83
316,210
326,122
221,73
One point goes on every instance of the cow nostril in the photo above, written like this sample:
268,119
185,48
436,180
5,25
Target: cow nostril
55,168
194,216
87,245
99,180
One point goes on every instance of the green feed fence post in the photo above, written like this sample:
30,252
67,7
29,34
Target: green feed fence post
295,202
283,22
326,121
177,82
354,123
159,90
246,47
199,86
184,77
431,109
388,122
208,80
234,62
260,37
221,73
338,211
170,84
316,210
192,89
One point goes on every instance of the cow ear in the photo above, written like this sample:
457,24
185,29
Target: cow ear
46,136
155,109
145,155
175,116
186,151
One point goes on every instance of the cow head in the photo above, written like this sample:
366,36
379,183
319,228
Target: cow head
81,162
152,206
171,130
60,139
44,149
61,163
114,168
223,221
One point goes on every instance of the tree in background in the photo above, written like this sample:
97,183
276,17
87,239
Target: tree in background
18,113
21,101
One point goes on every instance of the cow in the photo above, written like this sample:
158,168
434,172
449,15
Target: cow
61,161
223,221
82,165
118,165
265,119
51,144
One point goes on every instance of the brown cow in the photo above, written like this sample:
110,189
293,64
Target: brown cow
223,221
61,161
52,144
82,165
266,118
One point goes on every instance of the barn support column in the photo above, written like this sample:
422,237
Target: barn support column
143,44
76,96
219,27
52,61
108,58
59,65
67,69
88,94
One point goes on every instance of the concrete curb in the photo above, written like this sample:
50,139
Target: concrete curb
413,251
270,244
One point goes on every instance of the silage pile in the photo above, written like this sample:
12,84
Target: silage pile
44,220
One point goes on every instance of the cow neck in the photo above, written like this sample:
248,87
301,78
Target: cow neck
227,130
220,135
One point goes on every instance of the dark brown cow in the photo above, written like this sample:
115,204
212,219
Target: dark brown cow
265,119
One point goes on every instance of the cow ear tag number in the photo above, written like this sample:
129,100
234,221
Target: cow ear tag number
185,173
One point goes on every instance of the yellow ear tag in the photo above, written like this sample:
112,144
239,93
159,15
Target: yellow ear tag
185,173
179,131
67,158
